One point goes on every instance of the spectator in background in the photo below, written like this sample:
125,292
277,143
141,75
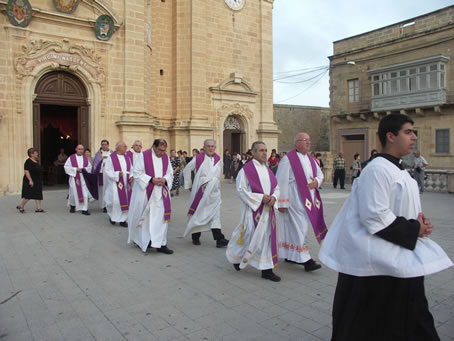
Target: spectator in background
273,162
227,160
32,184
243,158
281,155
87,153
235,166
373,154
356,167
339,170
418,170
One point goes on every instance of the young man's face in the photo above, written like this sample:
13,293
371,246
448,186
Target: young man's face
405,139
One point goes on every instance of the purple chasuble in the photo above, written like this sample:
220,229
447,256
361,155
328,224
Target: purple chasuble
97,166
124,190
198,162
77,178
129,155
149,170
314,210
256,187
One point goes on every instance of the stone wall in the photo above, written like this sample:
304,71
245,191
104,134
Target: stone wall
292,119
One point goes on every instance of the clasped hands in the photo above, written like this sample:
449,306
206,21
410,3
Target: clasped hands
313,184
159,181
268,200
426,226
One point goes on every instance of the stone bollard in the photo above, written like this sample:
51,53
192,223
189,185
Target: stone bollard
450,181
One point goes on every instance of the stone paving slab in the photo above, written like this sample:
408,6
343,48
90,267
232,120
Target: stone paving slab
70,277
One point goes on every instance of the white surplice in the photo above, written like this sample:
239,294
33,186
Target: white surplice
146,216
250,245
135,155
382,193
111,197
208,213
73,199
101,189
294,223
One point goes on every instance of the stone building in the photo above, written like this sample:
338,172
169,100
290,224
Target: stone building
76,71
292,119
406,67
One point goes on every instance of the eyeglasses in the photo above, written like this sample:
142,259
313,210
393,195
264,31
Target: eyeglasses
304,140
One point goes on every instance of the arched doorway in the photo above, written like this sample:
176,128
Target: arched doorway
60,119
233,137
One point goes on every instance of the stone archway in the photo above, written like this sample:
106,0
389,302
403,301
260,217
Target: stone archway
234,134
60,116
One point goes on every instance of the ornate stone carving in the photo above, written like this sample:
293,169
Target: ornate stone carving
232,122
59,54
235,109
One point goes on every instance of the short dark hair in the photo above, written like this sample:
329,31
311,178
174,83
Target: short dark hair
102,141
391,124
87,150
356,156
30,151
255,145
159,142
318,154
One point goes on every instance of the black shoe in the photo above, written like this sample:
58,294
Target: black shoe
222,243
269,274
196,241
124,224
311,265
104,210
112,222
290,261
237,267
86,213
165,249
72,209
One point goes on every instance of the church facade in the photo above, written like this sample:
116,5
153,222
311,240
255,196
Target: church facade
79,71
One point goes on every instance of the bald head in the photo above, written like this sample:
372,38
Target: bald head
137,146
120,147
79,149
302,142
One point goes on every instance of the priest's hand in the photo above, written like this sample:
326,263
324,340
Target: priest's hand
120,174
271,202
78,170
313,184
282,209
426,227
131,180
157,181
266,199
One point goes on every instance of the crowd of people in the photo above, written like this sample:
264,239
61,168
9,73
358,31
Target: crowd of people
377,244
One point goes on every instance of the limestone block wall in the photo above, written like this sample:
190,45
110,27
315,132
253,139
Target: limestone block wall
292,119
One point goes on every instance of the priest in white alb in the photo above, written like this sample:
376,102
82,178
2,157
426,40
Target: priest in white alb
300,205
78,195
98,168
149,210
135,151
379,245
205,208
118,185
254,240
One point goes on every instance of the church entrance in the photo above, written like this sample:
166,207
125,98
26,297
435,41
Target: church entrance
233,137
60,121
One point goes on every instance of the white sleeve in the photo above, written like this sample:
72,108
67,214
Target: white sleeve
283,179
320,177
69,169
169,174
253,200
374,202
138,172
110,172
187,173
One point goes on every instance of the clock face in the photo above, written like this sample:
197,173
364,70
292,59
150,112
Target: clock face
236,5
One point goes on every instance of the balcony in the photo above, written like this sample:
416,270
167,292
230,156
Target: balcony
418,99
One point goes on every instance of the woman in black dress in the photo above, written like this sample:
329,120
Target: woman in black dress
32,185
176,164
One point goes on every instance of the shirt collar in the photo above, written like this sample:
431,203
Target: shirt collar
257,163
396,161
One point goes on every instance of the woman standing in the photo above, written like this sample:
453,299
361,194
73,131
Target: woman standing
235,166
356,167
32,185
176,163
273,162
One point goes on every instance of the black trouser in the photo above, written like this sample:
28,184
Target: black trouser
217,234
339,174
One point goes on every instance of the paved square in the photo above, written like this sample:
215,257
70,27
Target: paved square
70,277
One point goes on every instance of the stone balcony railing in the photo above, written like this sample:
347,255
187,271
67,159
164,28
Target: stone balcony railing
439,180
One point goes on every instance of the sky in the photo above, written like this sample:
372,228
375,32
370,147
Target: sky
303,35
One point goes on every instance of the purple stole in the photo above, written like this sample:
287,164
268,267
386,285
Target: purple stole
124,191
77,178
149,170
97,165
198,162
256,187
129,155
314,212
